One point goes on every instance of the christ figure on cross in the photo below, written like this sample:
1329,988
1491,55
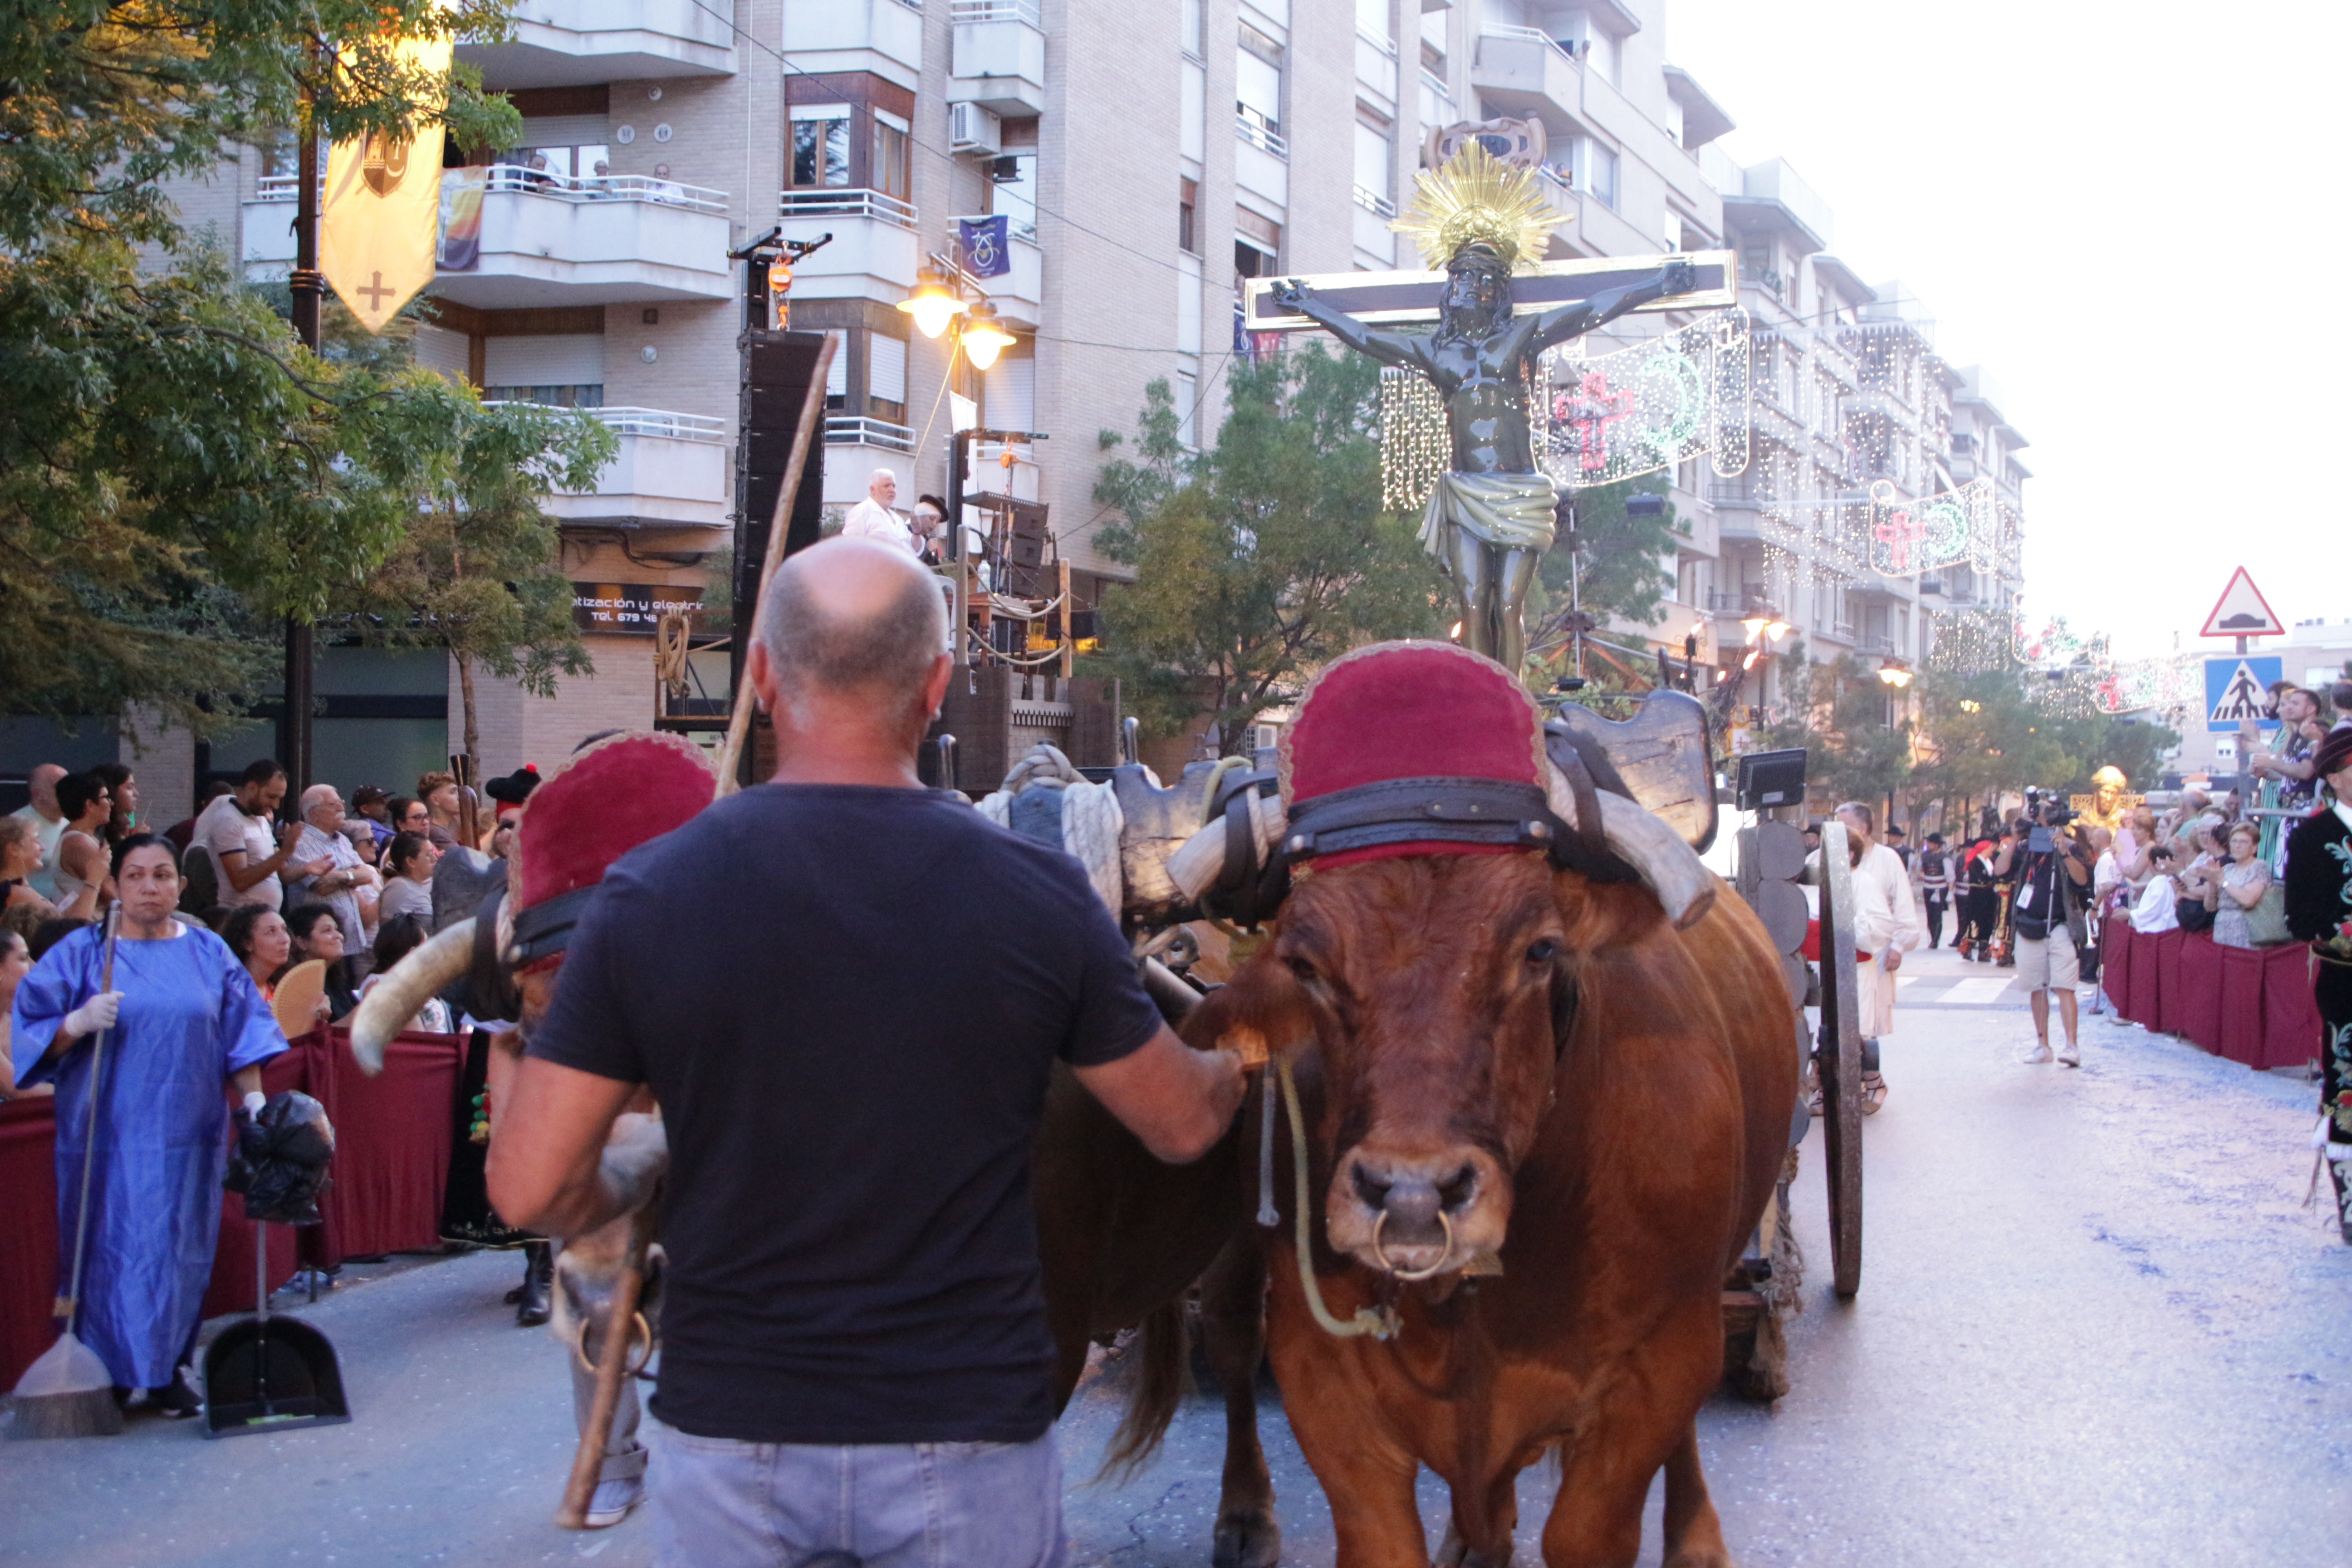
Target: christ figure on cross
1491,517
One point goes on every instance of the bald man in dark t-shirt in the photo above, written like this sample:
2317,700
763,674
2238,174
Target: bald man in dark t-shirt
856,1356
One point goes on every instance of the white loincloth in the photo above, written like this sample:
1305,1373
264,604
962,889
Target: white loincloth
1511,512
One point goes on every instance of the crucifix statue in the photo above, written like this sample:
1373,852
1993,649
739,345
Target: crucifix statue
1490,519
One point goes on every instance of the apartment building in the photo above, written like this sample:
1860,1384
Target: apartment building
588,267
1858,426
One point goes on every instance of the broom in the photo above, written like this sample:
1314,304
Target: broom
69,1392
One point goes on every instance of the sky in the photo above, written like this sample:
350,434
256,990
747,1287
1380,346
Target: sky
2122,210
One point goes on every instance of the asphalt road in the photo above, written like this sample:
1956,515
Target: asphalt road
2095,1327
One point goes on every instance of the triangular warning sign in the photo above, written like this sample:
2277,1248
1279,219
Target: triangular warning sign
2241,698
2242,611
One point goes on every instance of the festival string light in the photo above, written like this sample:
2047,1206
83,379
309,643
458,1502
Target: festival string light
1598,418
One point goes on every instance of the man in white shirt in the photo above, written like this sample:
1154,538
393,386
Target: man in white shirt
1904,930
874,517
48,824
234,832
338,885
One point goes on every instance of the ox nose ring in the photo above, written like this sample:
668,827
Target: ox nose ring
1411,1276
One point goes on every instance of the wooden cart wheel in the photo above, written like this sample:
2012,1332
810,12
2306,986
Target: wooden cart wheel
1840,1061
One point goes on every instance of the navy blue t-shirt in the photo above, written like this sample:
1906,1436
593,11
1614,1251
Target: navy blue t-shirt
848,1001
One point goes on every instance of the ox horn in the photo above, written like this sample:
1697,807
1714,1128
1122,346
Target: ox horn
401,992
1200,860
1671,867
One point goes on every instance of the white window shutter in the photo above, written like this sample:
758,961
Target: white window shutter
885,368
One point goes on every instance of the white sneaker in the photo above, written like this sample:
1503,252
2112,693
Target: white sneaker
2073,1055
2037,1056
611,1502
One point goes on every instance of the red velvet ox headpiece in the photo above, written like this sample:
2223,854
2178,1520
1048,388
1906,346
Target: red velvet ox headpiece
1410,711
600,803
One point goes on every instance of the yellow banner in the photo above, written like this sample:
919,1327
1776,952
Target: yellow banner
376,228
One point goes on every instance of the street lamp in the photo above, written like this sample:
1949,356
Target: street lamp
1970,705
933,303
1894,674
984,336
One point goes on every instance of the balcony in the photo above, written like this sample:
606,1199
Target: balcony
884,37
1526,72
874,249
998,60
1018,295
567,43
854,447
545,240
670,472
1262,162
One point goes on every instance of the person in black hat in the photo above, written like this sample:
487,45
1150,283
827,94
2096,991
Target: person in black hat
514,788
2319,911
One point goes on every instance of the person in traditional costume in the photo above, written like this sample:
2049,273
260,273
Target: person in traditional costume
2319,911
182,1015
1491,517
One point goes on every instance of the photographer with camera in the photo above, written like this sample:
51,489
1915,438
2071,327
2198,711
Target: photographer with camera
2053,872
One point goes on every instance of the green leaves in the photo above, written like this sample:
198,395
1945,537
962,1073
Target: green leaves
1261,558
176,471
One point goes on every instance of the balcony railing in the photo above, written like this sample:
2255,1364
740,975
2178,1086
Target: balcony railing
855,430
1260,137
993,11
1372,201
514,177
1565,49
627,421
838,201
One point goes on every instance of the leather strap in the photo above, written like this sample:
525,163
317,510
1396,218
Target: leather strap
1440,809
489,983
544,929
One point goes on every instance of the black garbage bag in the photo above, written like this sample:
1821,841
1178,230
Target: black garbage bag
279,1163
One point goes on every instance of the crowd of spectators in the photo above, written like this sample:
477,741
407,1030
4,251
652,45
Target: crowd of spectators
350,886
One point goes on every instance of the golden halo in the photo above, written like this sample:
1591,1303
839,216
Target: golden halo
1477,199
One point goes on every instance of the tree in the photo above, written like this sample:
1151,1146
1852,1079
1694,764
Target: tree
1261,558
1987,734
1837,711
1627,560
175,468
477,573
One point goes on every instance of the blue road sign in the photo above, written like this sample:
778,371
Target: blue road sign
2236,688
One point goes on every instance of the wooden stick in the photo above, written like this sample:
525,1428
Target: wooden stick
588,1460
738,728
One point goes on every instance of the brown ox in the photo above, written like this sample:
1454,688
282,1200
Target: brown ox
1512,1063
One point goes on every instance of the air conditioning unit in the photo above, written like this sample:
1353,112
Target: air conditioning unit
972,128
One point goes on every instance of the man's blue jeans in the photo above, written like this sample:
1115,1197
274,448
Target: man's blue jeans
719,1503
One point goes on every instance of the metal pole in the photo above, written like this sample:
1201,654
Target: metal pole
960,631
294,729
2245,772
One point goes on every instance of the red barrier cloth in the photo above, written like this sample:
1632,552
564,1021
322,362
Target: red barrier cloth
28,1232
2290,1016
2148,961
392,1145
2170,1001
2115,964
2242,1004
2193,1008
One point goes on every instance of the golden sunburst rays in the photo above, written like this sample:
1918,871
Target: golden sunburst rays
1477,199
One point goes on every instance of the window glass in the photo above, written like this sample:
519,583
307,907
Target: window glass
1372,159
1017,199
1372,16
1189,24
821,146
1252,258
892,171
1257,83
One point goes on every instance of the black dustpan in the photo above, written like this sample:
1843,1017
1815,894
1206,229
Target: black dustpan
268,1374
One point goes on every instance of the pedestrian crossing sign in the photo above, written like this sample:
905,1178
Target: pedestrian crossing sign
2236,688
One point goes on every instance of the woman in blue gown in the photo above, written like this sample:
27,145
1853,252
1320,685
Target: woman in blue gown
182,1016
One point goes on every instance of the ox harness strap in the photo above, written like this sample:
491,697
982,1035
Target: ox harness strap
1438,809
544,929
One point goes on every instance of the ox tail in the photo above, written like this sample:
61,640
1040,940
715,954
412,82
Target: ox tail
1162,1355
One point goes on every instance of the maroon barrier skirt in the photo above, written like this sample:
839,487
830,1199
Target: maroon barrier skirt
28,1232
2241,1029
392,1136
2193,1010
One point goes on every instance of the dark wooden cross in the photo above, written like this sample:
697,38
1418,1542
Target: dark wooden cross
1392,297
